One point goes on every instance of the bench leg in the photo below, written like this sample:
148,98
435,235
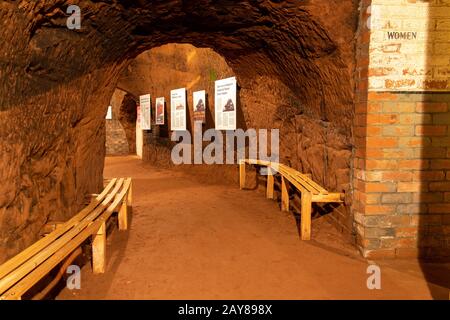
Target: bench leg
130,194
306,215
123,216
284,195
99,250
242,175
270,184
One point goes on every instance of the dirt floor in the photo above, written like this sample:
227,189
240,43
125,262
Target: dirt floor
192,240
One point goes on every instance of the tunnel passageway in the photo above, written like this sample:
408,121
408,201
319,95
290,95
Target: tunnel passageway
192,240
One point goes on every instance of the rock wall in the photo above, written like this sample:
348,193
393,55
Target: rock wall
127,118
56,83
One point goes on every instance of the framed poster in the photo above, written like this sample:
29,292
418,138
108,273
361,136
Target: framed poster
178,109
200,106
225,104
145,104
159,119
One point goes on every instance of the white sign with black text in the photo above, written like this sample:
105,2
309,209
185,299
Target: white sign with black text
178,109
225,104
145,103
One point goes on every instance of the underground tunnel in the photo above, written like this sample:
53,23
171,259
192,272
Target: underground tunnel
374,141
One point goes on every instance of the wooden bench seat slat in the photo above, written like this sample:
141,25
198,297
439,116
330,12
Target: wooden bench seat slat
304,180
292,178
307,183
38,273
311,182
26,254
29,265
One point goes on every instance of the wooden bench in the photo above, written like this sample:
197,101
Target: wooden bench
22,272
310,191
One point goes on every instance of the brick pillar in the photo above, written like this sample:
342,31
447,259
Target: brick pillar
401,168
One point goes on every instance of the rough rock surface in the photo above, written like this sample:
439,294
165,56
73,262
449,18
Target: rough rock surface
127,118
116,139
55,85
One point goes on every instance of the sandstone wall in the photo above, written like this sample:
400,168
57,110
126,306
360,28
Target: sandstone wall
56,83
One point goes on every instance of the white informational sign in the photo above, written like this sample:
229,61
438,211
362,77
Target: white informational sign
200,106
178,109
109,113
159,118
225,104
145,104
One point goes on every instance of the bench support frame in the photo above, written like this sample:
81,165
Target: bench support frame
310,191
99,250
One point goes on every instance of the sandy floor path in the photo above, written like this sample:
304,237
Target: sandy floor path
188,240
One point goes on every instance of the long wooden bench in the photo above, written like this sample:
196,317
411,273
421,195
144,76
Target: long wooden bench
23,271
310,191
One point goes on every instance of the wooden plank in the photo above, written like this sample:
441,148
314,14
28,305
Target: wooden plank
70,259
293,175
311,183
326,198
284,194
242,175
14,276
130,193
29,252
27,282
270,184
99,250
306,216
307,180
308,183
296,181
123,215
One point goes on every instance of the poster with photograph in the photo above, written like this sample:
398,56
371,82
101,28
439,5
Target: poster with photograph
145,104
160,103
200,106
178,109
225,104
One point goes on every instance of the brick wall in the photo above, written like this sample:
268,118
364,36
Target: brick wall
409,45
402,131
